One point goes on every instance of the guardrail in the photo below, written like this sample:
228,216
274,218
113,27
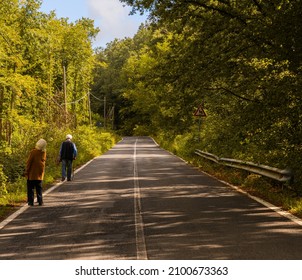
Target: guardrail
284,175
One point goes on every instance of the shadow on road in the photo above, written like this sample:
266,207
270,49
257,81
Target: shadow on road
186,215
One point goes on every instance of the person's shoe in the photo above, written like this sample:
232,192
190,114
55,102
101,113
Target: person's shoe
68,179
41,204
30,204
63,179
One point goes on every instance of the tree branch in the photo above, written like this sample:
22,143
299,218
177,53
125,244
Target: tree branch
233,93
219,10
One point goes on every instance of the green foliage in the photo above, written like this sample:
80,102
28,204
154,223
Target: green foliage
182,145
46,71
240,59
90,142
3,180
256,181
39,54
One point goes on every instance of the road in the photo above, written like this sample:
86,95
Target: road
138,201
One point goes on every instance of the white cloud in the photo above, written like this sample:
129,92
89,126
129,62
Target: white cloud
113,19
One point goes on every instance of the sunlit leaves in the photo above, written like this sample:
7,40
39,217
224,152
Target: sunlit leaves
241,58
34,47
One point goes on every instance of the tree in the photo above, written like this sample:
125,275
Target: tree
33,49
242,59
109,81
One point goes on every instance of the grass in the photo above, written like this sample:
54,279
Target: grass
9,203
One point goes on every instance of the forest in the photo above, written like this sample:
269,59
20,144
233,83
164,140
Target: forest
46,71
240,61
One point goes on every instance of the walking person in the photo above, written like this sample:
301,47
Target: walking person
68,153
34,172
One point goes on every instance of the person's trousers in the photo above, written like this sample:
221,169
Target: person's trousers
31,186
66,168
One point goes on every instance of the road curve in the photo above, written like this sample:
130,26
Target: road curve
138,201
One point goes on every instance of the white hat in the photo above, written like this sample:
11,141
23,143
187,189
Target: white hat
69,136
41,145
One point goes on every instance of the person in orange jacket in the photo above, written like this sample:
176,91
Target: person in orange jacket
34,172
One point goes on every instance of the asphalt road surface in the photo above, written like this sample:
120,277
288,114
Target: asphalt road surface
138,201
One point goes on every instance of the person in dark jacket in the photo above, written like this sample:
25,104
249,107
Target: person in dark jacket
68,153
34,172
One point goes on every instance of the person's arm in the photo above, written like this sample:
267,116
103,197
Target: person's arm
44,156
44,160
60,153
28,164
75,151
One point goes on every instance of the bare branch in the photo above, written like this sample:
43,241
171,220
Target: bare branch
232,93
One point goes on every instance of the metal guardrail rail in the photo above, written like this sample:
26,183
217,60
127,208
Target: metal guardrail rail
284,175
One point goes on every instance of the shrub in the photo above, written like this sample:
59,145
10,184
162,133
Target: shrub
3,181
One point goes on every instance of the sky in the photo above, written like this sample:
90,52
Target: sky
110,16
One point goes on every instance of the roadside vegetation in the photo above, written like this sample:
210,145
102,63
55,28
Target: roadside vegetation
46,70
90,142
283,195
239,61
